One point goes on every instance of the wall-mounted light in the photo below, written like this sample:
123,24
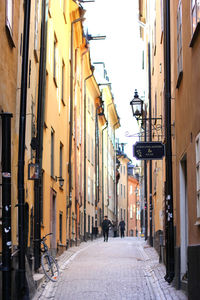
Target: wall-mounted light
60,179
33,171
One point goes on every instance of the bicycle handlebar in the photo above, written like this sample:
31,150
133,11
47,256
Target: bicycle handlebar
42,239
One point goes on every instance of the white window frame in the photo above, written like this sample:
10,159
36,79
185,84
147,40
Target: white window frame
9,16
195,14
179,39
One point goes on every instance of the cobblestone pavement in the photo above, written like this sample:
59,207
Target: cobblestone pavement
120,269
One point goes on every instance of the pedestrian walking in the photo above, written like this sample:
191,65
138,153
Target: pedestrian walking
115,228
106,224
122,228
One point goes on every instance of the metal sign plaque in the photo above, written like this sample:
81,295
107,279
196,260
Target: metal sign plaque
148,150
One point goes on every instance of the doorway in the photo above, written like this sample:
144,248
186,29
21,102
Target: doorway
183,220
53,221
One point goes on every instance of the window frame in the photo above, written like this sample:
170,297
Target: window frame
9,20
60,226
179,44
61,164
52,151
197,154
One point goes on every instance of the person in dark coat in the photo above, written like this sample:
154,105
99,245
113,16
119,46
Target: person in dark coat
114,228
122,228
106,224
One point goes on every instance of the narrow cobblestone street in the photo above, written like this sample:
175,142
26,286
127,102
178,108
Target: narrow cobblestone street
120,269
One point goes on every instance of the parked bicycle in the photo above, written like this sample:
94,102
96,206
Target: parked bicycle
48,262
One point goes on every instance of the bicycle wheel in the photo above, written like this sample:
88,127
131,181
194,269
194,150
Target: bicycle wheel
50,267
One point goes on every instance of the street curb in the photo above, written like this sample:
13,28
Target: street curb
63,261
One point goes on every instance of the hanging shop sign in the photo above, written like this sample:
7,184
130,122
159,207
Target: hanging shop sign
148,150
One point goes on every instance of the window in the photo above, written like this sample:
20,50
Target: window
92,110
121,213
198,174
92,191
179,38
88,224
36,33
131,190
88,185
124,214
61,163
64,10
60,226
9,17
52,152
131,211
92,153
88,146
55,61
89,104
162,19
63,83
195,10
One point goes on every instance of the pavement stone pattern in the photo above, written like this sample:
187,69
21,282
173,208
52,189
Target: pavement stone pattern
118,269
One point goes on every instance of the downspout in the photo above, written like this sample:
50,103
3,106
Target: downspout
22,288
6,206
82,132
96,163
145,184
103,171
85,124
71,121
108,181
127,200
150,162
40,126
115,181
168,161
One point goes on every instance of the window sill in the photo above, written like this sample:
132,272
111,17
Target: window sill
63,102
10,37
195,35
180,76
197,222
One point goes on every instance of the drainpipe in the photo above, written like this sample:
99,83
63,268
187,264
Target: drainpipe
108,181
103,171
145,184
40,125
168,160
85,142
82,130
115,182
150,162
96,162
71,120
22,288
6,205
